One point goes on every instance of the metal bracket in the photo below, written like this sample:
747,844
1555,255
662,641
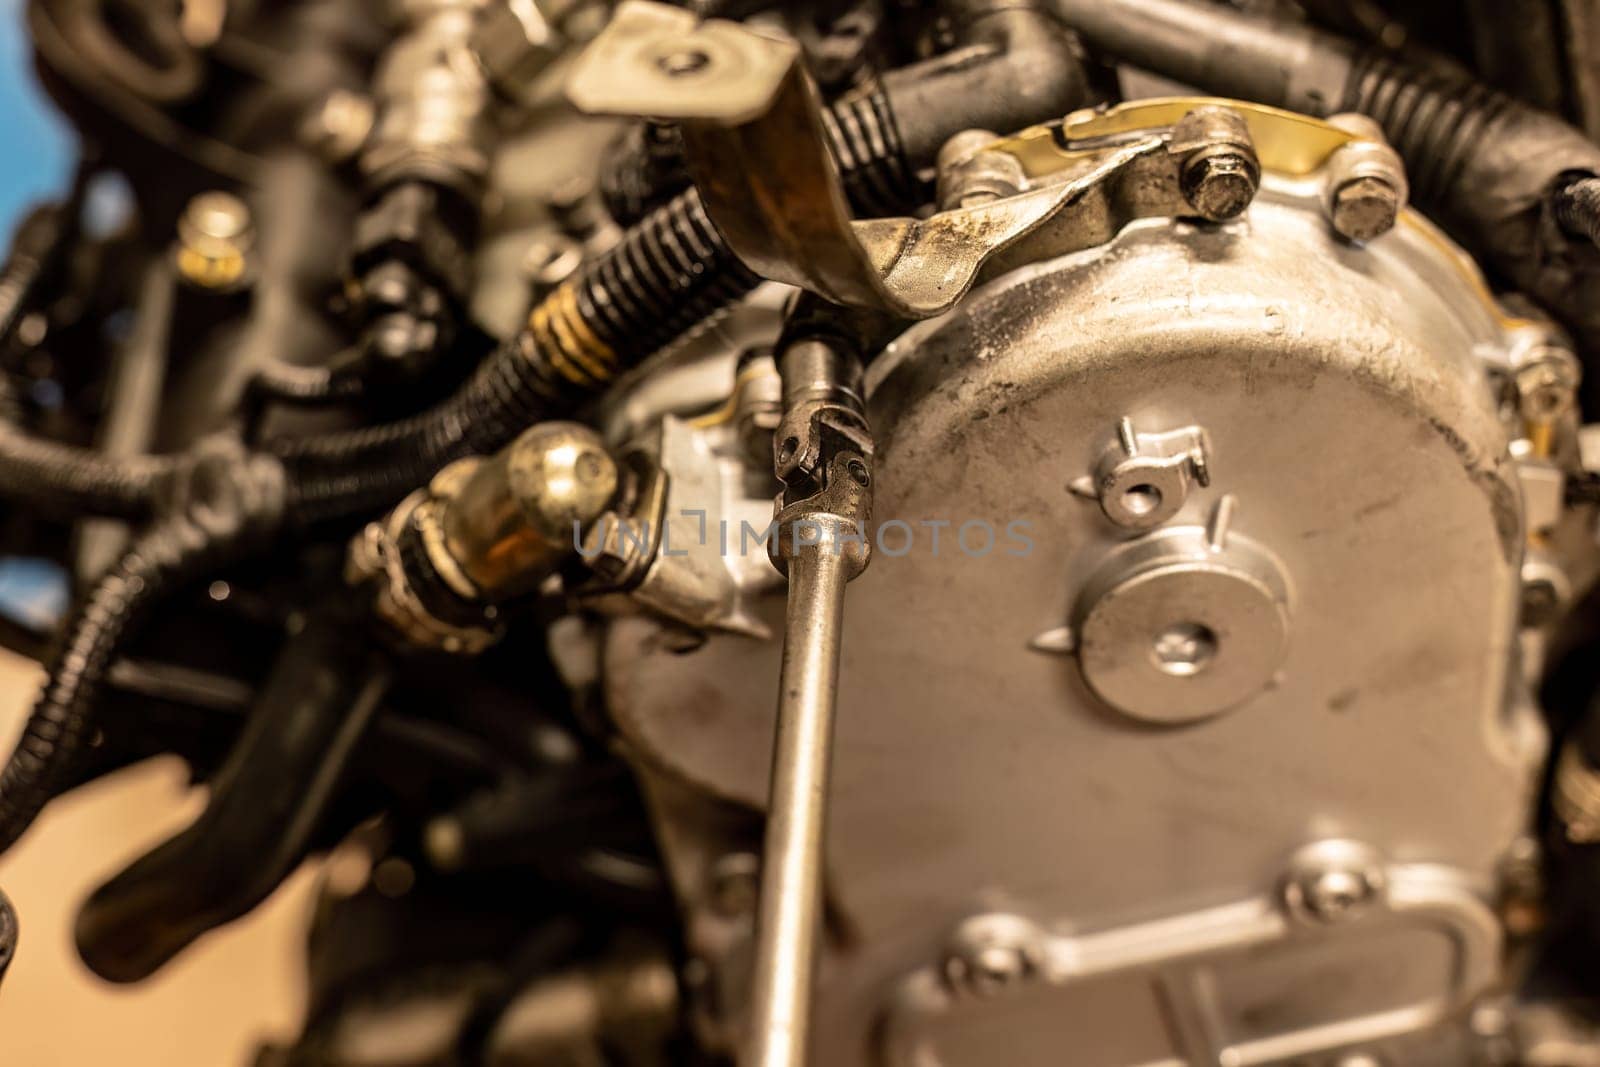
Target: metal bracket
1193,962
1144,478
757,149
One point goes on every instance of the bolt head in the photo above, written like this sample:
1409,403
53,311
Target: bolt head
1365,208
1220,184
992,954
989,970
215,235
1547,385
735,885
339,126
1333,881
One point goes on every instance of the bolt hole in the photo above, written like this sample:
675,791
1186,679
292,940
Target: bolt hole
684,62
1141,499
786,451
1184,649
858,471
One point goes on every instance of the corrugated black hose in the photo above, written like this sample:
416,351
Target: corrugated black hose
669,273
645,167
49,474
224,503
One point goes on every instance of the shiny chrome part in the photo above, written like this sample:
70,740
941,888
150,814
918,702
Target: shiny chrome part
431,118
704,567
485,530
520,512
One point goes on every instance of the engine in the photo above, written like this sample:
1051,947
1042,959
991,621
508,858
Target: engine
866,534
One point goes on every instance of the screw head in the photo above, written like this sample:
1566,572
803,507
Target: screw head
1365,208
992,954
1220,183
989,970
1333,881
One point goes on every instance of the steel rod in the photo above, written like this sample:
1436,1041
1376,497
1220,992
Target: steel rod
790,912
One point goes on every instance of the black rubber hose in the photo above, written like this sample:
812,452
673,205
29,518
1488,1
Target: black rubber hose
645,167
8,934
1485,166
72,480
225,501
267,806
669,273
1576,204
48,474
641,170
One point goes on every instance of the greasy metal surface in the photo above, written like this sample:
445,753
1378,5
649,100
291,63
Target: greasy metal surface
1349,416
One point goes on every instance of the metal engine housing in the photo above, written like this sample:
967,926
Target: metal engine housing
1040,845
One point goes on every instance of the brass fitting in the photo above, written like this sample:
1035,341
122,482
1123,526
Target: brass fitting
485,531
518,515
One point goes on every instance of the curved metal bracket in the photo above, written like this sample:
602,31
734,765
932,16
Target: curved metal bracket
758,150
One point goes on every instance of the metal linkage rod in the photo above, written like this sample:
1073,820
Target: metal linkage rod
823,453
791,881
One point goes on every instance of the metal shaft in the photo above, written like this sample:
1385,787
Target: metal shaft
791,874
1219,50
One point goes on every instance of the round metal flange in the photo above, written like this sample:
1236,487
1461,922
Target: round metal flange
1176,628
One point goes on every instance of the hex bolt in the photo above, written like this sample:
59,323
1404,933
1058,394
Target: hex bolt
1366,179
1218,172
992,954
1333,881
988,970
1547,382
1365,208
215,236
970,175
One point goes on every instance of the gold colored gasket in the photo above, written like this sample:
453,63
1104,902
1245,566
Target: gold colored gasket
1285,141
